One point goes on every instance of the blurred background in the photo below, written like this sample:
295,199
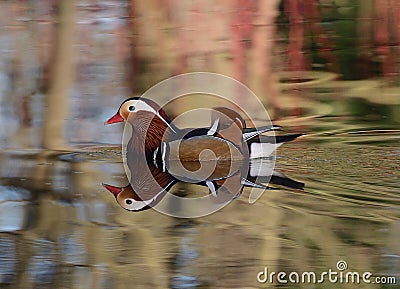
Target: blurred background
326,68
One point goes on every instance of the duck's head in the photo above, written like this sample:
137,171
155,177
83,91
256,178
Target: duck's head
149,122
127,198
133,109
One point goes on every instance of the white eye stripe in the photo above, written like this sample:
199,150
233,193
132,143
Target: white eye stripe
140,105
137,205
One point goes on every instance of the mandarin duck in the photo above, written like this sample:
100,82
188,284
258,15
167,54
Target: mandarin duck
152,129
228,140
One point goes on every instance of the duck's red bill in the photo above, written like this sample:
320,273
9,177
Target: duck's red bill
114,119
112,189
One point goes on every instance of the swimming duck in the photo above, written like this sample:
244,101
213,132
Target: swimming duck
153,131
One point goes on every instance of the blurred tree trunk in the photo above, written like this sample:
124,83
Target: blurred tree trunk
56,102
133,62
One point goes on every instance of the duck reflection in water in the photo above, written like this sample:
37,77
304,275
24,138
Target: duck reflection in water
226,157
149,185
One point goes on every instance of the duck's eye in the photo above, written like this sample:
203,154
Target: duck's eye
131,108
128,202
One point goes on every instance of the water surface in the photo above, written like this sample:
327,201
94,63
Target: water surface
328,75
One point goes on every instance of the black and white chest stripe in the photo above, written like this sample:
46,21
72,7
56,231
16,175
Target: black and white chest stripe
159,157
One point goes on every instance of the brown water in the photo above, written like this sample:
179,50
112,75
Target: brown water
59,228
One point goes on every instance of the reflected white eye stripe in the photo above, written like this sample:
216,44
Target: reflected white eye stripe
138,205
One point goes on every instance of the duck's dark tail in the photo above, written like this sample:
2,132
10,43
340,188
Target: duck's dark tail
276,178
261,171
